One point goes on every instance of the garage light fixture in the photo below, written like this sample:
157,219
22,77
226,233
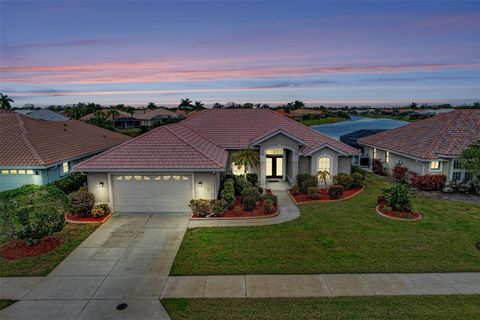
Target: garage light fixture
100,184
200,184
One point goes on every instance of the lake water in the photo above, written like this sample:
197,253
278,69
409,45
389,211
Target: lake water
335,130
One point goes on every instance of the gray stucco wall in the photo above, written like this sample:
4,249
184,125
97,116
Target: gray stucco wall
304,165
13,181
290,170
101,194
279,140
344,165
210,185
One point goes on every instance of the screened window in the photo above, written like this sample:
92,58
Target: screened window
435,165
138,178
119,178
21,171
324,163
185,178
456,176
177,178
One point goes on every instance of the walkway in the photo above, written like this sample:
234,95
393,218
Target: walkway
288,212
126,260
321,285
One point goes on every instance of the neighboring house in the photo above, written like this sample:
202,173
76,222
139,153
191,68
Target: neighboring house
352,138
39,152
162,170
428,146
122,120
154,117
42,114
305,113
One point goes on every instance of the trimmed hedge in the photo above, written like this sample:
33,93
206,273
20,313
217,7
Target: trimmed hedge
335,191
251,192
344,180
81,202
305,181
269,196
428,182
313,192
71,183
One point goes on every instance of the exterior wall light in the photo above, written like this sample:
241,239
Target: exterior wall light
35,173
200,184
100,184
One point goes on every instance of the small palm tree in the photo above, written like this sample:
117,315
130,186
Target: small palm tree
5,101
185,104
199,105
247,158
323,175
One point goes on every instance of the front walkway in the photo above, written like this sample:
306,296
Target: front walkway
126,260
321,285
288,212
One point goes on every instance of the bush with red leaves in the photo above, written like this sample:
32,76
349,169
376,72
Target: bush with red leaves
382,200
400,174
378,168
428,182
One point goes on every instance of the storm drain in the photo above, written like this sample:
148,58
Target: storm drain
122,306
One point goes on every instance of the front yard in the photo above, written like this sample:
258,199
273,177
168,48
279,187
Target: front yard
72,235
341,237
398,308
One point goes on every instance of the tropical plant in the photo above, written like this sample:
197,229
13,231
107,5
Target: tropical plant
113,113
249,203
81,202
252,178
185,104
251,192
399,197
358,180
217,105
297,104
198,106
335,191
400,173
99,119
5,101
323,175
248,158
294,190
378,168
313,192
268,206
151,106
305,180
271,197
344,180
71,183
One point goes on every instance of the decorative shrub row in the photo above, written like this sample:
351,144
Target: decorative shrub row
208,208
378,168
305,181
355,180
428,182
71,183
335,191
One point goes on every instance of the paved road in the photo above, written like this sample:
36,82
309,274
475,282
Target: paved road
127,259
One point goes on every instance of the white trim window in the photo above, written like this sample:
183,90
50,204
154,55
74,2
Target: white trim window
325,163
374,153
434,165
65,168
387,156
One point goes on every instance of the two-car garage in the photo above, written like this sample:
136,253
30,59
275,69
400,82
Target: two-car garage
152,192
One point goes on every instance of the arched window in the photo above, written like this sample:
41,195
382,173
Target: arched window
324,163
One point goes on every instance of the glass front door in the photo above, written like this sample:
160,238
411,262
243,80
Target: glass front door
274,167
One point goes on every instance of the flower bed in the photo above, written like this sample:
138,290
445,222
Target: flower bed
73,218
397,215
304,198
18,249
258,212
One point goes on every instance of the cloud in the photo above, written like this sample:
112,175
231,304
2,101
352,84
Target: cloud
67,43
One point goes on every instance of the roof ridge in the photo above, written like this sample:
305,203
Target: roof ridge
195,147
27,141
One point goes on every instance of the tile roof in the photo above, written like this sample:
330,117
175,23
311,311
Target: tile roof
147,115
201,141
446,134
121,114
25,141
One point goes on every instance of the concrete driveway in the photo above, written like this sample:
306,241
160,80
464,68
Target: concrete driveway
126,260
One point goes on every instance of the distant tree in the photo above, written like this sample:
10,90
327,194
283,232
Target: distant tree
186,104
113,113
470,161
414,105
265,106
5,101
232,105
248,105
297,104
198,106
151,106
217,105
101,120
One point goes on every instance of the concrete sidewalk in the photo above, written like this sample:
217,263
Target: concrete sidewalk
321,285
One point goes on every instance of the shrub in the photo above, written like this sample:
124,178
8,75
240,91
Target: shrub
295,190
252,178
335,191
251,192
305,181
240,184
268,206
358,180
301,179
399,197
200,208
357,169
218,207
377,167
400,174
228,193
249,203
428,182
313,192
269,196
71,183
81,202
344,180
101,210
382,200
32,212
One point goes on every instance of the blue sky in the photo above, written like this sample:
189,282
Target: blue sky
360,52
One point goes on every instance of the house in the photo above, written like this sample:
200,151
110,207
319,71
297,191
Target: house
305,113
162,170
122,120
352,138
151,118
42,114
36,151
429,146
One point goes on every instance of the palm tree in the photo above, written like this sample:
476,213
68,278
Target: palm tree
323,175
151,106
297,104
185,104
113,113
199,105
247,158
5,101
217,105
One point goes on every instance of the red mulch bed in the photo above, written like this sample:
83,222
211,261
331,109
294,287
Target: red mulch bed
18,249
303,197
407,215
89,219
257,212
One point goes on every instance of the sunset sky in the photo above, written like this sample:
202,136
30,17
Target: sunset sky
375,52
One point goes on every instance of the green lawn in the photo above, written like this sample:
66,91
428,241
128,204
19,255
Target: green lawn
132,132
6,303
367,308
315,122
73,235
341,237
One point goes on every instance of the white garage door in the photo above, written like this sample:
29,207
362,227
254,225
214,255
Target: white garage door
152,193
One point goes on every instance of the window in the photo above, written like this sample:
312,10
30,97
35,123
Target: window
146,178
119,178
238,169
176,178
158,178
29,171
387,156
21,171
166,178
435,165
4,171
374,153
65,167
456,176
324,164
456,164
275,151
185,178
128,178
13,171
138,178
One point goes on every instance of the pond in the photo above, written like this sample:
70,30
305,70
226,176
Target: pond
335,130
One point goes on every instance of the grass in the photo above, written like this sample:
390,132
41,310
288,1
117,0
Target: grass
341,237
132,132
319,121
73,235
367,308
5,303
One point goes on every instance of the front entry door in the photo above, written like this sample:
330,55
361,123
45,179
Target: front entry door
274,167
